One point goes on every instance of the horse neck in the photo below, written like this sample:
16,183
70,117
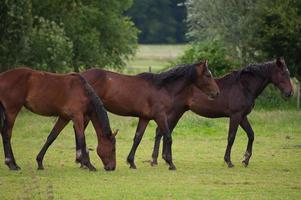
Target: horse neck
179,86
256,85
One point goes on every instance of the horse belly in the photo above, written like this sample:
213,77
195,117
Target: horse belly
126,108
41,108
210,108
40,102
126,103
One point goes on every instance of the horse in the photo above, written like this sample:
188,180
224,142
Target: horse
68,96
238,92
150,96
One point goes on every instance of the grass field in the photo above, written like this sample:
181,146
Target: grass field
154,56
198,149
274,171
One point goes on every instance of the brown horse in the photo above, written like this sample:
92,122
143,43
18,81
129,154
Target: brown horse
239,90
68,96
150,96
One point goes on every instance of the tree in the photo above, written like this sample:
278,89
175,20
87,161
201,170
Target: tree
251,30
76,33
100,34
49,48
160,21
277,32
214,51
15,27
223,20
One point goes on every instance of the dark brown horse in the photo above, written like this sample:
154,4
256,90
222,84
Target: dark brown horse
68,96
150,96
239,90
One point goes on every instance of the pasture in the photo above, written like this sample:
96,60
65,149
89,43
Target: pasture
156,56
199,144
274,171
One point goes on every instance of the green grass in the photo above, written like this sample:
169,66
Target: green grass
198,148
156,56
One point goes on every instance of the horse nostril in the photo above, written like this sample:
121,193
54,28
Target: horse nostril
288,94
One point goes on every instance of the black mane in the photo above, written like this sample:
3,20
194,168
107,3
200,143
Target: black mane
257,69
187,71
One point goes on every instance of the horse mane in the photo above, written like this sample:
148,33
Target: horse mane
99,108
187,71
257,69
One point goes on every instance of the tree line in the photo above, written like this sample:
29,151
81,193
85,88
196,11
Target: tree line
160,21
245,31
72,35
65,35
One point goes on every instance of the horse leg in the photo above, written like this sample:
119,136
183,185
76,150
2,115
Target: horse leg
58,127
6,138
77,147
142,124
234,121
167,139
79,130
248,129
156,147
173,120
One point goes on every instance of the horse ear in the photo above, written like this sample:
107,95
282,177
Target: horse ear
279,62
115,132
206,62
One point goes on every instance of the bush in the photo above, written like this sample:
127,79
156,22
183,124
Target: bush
216,54
50,48
272,98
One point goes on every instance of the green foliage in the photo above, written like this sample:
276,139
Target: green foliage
15,27
276,31
219,61
75,33
160,21
253,31
223,20
50,49
271,98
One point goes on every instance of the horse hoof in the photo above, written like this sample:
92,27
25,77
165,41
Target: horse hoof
92,168
154,163
40,168
133,166
172,168
230,165
245,163
14,167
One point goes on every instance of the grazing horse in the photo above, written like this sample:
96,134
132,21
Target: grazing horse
150,97
68,96
238,91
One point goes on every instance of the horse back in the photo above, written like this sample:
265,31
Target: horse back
123,94
55,94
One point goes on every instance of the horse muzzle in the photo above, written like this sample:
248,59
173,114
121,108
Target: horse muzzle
109,168
288,94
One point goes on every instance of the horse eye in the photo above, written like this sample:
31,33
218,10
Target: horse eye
208,75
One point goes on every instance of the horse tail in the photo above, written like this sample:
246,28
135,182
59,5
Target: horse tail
3,119
101,112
